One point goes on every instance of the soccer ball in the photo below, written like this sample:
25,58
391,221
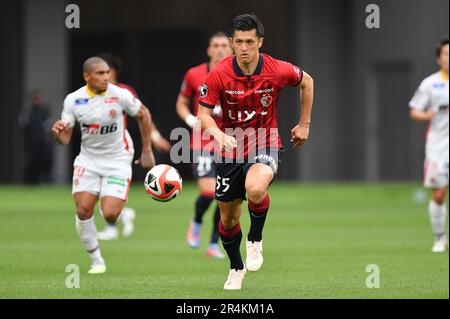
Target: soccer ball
163,183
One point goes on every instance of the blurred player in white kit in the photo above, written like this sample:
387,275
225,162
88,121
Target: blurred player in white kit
430,104
102,170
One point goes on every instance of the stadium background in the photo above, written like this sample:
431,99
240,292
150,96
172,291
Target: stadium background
322,230
364,77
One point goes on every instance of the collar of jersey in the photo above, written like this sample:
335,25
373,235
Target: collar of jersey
258,69
444,76
92,94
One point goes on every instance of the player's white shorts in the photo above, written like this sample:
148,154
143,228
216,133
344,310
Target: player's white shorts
102,176
435,173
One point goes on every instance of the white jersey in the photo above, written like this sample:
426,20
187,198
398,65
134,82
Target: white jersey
433,93
101,118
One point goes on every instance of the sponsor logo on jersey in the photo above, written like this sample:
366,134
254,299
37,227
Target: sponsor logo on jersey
438,85
240,92
264,90
296,70
203,91
266,100
93,128
111,100
81,101
116,180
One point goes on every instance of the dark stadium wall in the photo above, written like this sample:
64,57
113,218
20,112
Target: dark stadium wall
364,79
10,90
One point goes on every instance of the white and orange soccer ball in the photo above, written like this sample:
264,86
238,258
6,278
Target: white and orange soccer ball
163,183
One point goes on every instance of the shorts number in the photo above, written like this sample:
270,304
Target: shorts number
222,181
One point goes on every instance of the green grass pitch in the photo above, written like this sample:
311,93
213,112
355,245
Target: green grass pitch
318,240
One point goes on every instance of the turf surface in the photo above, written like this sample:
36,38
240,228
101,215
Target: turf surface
318,241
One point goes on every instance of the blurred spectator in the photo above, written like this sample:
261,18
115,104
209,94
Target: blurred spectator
35,124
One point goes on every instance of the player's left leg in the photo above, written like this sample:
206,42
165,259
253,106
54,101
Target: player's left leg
126,218
231,235
111,208
213,248
206,186
116,184
438,214
257,182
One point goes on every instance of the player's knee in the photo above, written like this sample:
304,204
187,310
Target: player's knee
84,212
439,196
110,215
256,193
228,222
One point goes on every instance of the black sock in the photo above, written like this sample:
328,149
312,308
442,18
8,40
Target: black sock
201,205
215,230
231,240
258,213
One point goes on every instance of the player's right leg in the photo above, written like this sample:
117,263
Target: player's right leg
438,213
85,188
231,235
87,231
436,178
206,187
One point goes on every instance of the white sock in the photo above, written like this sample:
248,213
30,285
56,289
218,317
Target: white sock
121,216
438,214
88,235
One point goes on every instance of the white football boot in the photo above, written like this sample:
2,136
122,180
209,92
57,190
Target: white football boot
254,255
110,232
235,278
440,245
128,221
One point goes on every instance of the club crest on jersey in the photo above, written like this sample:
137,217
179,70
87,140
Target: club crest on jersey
203,91
296,70
111,100
113,113
266,100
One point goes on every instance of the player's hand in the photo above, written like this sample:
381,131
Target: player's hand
58,128
228,143
147,160
162,145
299,135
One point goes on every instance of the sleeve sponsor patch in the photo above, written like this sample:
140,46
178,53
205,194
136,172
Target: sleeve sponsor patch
203,91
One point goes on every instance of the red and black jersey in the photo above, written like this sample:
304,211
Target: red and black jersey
250,101
190,88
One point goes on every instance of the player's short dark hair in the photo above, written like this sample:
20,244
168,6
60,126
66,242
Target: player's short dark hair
218,34
440,45
90,62
247,22
113,60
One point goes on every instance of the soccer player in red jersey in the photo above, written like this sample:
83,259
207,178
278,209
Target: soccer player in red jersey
248,85
203,167
128,214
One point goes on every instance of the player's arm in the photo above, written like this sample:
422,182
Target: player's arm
159,142
419,104
205,115
421,116
300,133
184,112
61,132
144,119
